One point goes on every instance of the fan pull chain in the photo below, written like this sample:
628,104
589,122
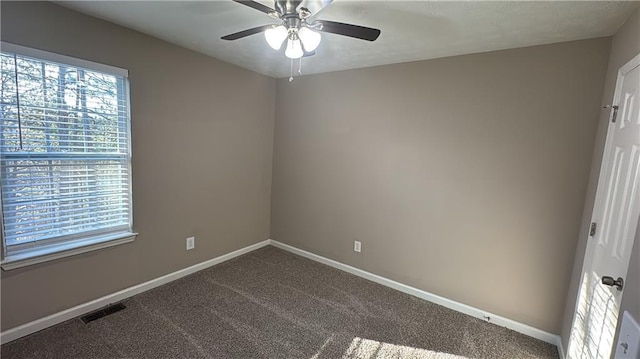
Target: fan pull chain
291,69
291,72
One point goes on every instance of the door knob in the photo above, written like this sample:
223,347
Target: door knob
618,283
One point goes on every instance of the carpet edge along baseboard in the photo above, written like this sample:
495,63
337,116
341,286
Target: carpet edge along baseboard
81,309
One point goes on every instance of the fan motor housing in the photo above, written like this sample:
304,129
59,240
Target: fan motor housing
292,22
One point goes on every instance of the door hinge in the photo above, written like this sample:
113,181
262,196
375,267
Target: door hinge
592,229
614,113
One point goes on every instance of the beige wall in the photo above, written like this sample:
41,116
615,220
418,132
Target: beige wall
462,176
201,159
624,46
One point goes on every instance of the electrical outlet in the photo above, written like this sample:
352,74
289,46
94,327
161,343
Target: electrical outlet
191,243
357,246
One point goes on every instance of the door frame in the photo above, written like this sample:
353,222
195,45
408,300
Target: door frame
598,200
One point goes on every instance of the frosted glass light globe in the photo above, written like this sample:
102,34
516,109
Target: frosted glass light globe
275,36
310,39
294,49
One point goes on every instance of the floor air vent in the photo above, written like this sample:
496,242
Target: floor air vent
95,315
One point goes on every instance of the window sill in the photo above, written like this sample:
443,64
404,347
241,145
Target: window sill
62,250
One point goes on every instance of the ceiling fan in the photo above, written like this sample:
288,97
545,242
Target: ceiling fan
302,33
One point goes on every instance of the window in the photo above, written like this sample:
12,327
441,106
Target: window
64,155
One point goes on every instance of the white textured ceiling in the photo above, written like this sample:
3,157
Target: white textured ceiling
411,30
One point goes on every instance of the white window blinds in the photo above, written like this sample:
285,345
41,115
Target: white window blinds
64,151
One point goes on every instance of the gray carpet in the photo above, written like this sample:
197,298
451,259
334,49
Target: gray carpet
273,304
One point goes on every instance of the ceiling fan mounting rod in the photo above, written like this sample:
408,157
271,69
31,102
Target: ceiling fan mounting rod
287,7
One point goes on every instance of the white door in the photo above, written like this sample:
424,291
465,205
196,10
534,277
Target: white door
616,213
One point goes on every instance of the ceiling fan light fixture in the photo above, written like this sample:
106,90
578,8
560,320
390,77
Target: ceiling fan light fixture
275,36
310,39
294,49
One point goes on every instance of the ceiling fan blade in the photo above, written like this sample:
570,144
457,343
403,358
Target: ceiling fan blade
256,5
339,28
245,33
310,53
314,6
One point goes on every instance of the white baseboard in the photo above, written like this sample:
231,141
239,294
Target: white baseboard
463,308
56,318
560,348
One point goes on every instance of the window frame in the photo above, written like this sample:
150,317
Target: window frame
33,253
